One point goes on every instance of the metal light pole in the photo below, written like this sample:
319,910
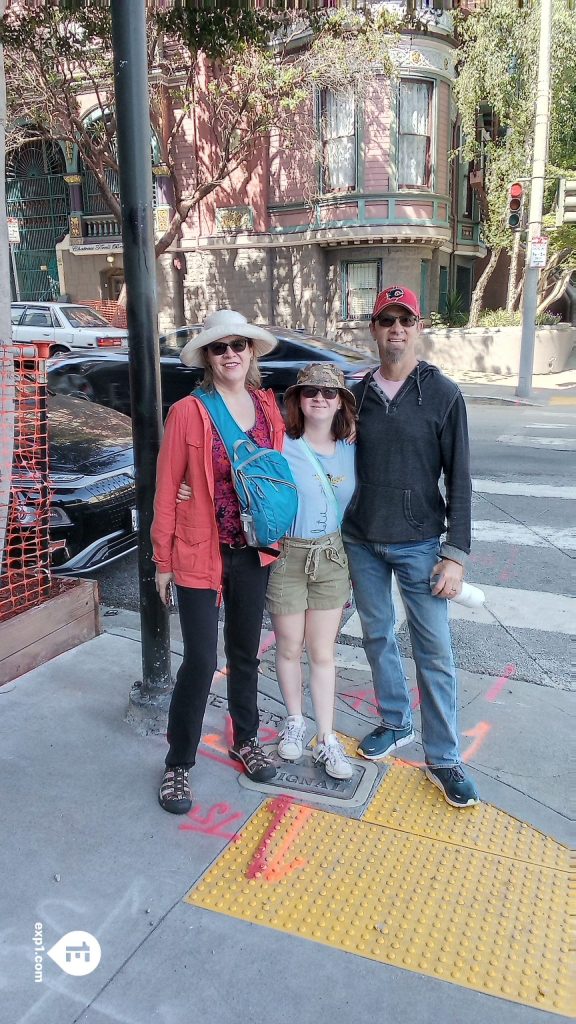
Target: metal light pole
529,303
148,700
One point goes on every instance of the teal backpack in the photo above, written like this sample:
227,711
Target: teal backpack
261,476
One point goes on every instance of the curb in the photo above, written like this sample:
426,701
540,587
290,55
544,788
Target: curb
501,400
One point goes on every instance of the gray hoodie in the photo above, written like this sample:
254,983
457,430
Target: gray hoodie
404,446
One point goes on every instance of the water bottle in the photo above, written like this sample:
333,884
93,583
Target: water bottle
470,596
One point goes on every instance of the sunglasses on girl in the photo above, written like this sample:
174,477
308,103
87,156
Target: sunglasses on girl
388,321
218,348
310,392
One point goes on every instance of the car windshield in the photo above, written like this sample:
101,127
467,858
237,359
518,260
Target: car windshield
83,316
315,341
174,341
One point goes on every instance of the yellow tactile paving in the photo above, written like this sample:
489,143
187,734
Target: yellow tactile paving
479,920
406,800
475,918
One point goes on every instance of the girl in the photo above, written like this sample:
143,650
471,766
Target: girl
309,583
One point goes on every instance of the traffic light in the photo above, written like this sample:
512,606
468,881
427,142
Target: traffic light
566,207
515,206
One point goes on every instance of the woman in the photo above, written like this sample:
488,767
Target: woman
309,584
200,545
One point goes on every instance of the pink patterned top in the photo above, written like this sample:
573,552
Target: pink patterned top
225,500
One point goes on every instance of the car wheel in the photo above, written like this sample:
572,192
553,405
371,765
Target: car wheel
59,350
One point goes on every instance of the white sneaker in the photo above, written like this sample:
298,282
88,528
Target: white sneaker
331,755
291,747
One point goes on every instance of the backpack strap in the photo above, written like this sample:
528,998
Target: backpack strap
326,485
222,419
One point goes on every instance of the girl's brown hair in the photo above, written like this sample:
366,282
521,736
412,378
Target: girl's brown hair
342,423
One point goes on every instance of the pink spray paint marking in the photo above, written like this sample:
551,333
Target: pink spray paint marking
507,572
360,697
268,642
416,699
500,683
275,867
213,821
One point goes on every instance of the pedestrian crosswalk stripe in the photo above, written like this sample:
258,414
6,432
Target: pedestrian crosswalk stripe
491,531
519,609
523,490
567,444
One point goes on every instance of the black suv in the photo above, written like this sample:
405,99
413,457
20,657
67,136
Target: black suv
92,491
103,376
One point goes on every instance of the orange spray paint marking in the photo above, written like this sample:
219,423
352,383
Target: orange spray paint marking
479,732
209,825
500,683
214,740
276,868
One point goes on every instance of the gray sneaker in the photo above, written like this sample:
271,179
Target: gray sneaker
331,755
457,789
383,741
291,745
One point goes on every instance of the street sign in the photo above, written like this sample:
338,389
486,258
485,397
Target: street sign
539,252
13,231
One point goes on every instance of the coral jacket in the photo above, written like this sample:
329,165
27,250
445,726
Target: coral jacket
185,535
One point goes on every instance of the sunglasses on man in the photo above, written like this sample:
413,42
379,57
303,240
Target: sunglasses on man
309,391
218,348
388,321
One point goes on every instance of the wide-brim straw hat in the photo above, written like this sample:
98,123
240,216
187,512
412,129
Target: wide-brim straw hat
225,323
320,375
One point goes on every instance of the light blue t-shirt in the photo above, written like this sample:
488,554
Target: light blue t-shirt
316,514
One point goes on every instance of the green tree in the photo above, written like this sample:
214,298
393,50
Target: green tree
263,67
498,70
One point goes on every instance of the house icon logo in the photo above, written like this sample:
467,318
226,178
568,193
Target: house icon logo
77,953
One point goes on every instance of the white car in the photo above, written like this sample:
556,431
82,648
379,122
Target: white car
65,326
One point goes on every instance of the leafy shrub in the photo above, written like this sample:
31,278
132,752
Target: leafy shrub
453,315
502,318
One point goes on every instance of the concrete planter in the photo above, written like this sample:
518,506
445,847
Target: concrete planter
496,349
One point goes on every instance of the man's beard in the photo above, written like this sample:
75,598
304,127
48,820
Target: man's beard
392,356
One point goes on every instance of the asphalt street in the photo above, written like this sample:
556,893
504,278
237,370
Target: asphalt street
523,463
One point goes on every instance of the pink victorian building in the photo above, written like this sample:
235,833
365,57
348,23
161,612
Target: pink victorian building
308,235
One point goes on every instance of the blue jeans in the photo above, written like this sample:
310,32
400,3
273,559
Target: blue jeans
371,568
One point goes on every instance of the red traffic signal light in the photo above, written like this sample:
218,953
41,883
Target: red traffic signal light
515,206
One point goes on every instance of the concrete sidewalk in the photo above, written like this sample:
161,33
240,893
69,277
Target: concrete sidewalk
87,847
547,389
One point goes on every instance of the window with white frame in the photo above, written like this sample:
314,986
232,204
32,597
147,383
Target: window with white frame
361,284
415,134
338,136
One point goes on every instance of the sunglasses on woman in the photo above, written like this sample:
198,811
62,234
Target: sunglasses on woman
218,348
310,392
388,321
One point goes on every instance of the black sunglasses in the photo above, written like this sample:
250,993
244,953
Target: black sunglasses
309,391
218,348
388,321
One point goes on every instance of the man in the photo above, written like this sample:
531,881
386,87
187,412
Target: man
412,429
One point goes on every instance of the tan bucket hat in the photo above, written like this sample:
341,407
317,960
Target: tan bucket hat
225,323
320,375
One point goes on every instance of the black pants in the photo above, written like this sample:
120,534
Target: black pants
244,590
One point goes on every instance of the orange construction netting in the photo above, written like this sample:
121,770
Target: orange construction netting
113,312
25,567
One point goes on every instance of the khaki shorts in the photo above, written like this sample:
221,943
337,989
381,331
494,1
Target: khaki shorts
309,574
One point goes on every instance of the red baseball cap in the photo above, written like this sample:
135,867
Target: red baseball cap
396,295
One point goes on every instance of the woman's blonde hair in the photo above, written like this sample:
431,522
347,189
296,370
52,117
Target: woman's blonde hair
253,377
